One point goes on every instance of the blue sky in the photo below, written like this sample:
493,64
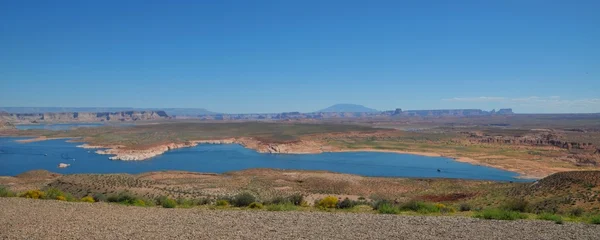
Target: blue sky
275,56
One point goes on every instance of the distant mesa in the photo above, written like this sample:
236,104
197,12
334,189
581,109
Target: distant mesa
349,108
448,112
170,111
52,117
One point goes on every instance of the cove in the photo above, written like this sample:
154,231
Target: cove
16,158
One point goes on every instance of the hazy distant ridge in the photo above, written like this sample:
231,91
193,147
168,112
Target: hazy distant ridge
354,108
169,111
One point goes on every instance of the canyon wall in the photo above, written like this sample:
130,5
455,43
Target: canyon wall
83,116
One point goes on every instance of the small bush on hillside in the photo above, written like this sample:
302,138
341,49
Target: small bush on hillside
346,203
61,198
500,214
464,207
53,193
125,198
444,209
282,207
551,217
34,194
277,200
89,199
139,203
186,203
202,201
595,219
99,197
420,207
576,212
4,192
386,208
222,203
518,205
377,204
168,203
328,202
256,205
296,199
243,199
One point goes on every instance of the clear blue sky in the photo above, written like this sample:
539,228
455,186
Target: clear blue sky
275,56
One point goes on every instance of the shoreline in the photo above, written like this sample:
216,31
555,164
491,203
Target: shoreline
123,153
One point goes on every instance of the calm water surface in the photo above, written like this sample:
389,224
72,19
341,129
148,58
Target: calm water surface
16,158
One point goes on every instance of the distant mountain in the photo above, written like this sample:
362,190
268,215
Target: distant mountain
348,108
169,111
188,111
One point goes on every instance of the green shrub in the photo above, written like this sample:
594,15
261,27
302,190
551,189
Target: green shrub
87,199
243,199
377,204
126,198
444,209
222,203
34,194
5,192
346,203
500,214
53,193
328,202
595,219
576,212
184,202
517,205
256,205
420,207
296,199
282,207
201,201
139,203
99,197
168,203
551,217
277,200
464,207
386,208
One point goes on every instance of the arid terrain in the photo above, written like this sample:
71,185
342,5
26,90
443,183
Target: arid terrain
35,219
532,145
568,200
559,192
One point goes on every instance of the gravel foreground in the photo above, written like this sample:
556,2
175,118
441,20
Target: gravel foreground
44,219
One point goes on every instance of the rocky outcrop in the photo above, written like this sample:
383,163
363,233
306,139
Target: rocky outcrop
579,153
122,153
128,154
543,139
6,125
85,116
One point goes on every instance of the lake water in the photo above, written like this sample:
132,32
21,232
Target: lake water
16,158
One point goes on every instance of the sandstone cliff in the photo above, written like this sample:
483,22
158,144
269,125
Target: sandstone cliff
84,117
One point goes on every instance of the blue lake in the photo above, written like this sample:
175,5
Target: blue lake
16,158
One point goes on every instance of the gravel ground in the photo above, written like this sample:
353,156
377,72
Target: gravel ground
42,219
